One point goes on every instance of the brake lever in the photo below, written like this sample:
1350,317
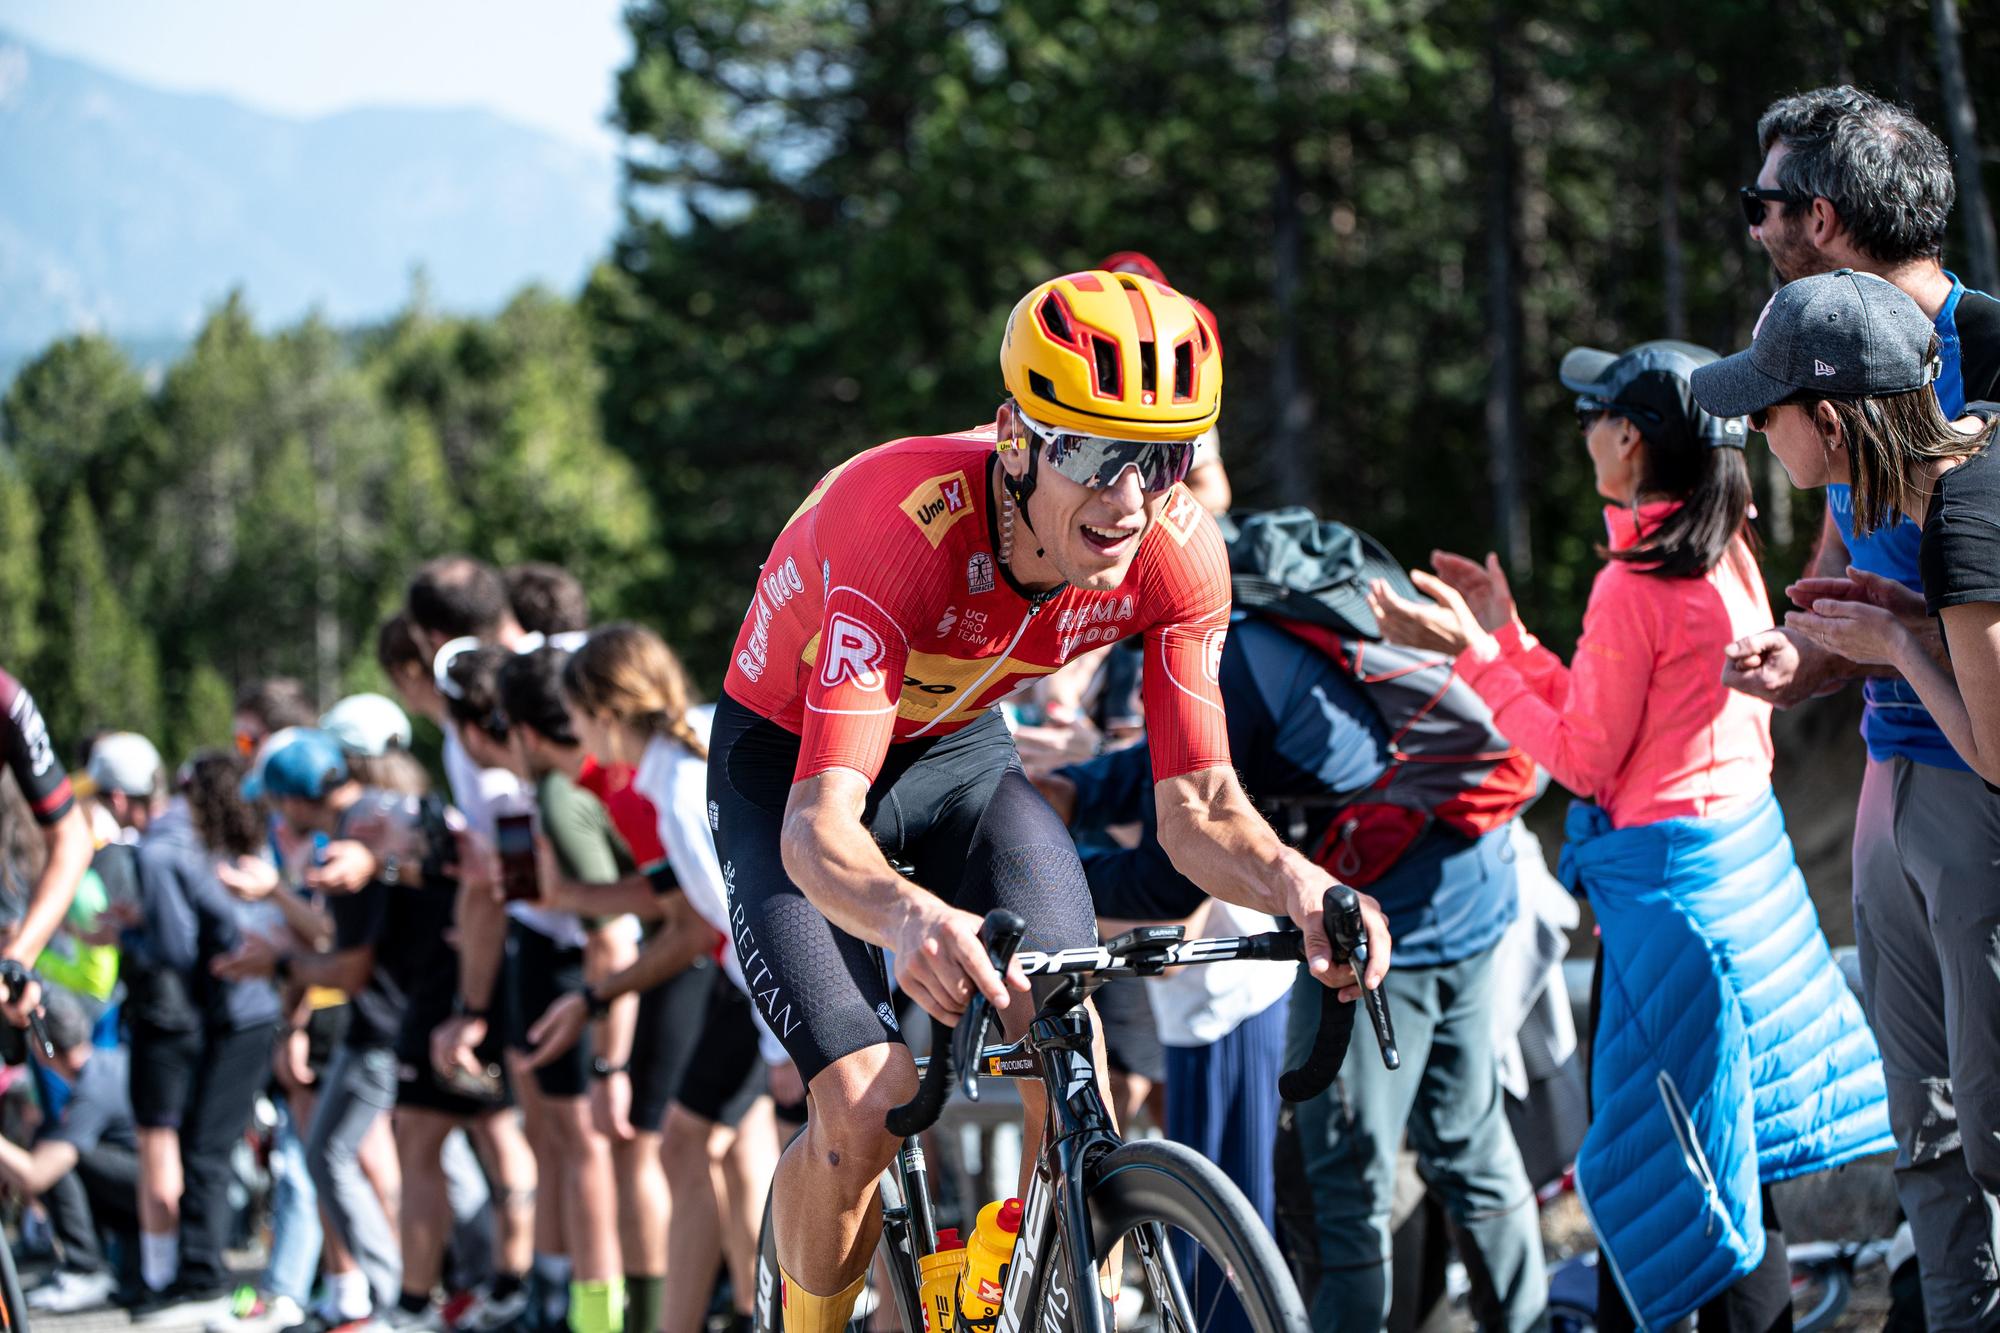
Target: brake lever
1002,936
1349,937
15,975
1342,912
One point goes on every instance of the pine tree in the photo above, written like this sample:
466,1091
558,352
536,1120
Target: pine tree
100,668
20,573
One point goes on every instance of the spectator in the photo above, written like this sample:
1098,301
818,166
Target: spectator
269,705
163,1018
83,1163
457,597
1681,848
1303,734
1850,181
375,951
631,704
543,953
546,599
1875,422
204,1092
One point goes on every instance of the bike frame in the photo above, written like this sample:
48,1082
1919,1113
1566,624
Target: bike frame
1055,1219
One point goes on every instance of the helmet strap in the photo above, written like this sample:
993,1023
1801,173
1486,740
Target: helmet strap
1019,489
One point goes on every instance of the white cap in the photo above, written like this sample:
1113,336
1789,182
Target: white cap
125,761
369,724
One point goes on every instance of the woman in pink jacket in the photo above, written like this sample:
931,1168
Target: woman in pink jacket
1725,1040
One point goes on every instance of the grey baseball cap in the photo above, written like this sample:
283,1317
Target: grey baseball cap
1841,335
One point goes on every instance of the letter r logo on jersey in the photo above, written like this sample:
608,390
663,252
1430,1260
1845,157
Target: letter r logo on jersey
853,653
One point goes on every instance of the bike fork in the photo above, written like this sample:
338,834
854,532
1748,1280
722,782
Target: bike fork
1055,1220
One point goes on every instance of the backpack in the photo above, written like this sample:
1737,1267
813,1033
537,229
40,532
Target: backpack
1448,763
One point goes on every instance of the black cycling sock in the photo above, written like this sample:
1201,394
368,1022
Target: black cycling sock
506,1284
414,1302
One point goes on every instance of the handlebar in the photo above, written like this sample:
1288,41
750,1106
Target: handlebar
1344,931
955,1047
15,976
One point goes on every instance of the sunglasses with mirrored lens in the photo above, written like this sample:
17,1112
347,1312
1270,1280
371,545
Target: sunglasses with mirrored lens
1586,417
1754,198
1098,460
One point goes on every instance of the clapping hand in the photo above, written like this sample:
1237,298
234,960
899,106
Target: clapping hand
1443,625
1863,617
1484,588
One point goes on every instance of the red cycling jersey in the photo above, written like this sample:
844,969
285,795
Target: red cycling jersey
882,614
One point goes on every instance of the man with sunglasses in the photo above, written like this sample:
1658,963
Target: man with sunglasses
1851,181
919,584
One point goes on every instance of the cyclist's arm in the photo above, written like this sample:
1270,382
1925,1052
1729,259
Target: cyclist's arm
31,755
34,1171
69,847
830,855
1217,839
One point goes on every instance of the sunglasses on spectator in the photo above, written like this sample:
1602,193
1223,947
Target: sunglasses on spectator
1589,410
1755,197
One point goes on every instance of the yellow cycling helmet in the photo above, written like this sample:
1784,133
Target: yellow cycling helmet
1113,354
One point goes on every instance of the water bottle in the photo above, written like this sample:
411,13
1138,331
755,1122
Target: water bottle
937,1276
986,1255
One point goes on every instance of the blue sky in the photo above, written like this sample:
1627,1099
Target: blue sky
547,63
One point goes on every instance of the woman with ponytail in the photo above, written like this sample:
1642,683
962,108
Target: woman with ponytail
1727,1052
631,704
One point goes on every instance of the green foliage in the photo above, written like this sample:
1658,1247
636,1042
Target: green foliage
837,204
98,654
20,570
275,493
201,712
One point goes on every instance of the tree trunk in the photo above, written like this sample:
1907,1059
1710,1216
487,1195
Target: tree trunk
1295,471
1982,269
1504,426
1673,256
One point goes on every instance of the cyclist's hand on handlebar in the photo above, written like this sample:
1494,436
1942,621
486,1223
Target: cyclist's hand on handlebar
19,1004
1308,913
941,964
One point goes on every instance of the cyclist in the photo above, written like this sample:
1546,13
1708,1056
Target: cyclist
920,583
24,738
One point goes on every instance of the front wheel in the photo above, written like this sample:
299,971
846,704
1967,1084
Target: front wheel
1172,1208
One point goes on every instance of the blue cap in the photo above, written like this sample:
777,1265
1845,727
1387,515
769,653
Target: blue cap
302,762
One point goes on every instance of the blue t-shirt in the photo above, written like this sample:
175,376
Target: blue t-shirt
1894,722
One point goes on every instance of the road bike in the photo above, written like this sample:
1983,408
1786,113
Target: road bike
1090,1190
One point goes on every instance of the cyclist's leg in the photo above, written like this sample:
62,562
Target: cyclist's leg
1460,1130
977,829
1348,1139
823,993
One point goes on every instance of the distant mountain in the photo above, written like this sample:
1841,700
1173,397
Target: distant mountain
130,210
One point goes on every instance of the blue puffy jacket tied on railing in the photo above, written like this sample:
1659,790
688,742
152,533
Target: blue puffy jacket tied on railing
1728,1048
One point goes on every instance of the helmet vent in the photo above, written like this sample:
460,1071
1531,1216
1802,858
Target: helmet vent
1149,369
1184,369
1106,353
1039,385
1056,319
1128,282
